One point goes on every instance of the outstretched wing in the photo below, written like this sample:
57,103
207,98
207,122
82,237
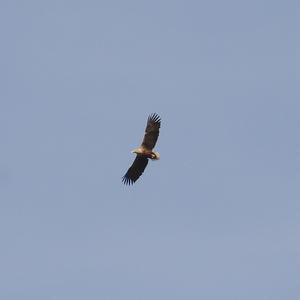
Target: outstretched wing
151,132
136,170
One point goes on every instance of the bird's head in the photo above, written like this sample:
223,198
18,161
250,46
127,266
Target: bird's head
136,151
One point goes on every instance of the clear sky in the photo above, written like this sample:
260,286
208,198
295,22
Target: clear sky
218,217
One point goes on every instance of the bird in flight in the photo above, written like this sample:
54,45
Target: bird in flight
145,151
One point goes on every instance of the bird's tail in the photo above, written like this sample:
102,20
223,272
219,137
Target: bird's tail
156,156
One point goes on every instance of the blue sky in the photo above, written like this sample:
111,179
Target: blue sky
218,217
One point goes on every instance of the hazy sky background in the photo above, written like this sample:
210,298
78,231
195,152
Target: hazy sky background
218,217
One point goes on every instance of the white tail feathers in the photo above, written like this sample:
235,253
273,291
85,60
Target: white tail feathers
157,156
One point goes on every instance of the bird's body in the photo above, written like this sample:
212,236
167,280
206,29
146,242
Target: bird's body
142,151
145,151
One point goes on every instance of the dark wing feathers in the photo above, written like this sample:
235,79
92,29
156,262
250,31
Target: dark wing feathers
151,132
136,170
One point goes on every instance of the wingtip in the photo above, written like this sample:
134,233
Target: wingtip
154,117
127,181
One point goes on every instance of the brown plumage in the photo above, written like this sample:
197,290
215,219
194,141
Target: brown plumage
145,151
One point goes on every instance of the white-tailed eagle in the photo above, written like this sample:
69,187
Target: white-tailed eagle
145,151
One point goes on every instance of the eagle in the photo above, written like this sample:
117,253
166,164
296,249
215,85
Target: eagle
145,151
